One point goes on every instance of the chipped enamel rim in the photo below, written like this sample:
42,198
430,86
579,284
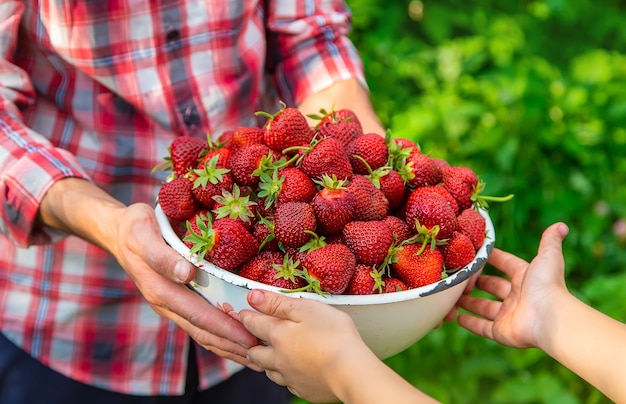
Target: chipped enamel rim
454,279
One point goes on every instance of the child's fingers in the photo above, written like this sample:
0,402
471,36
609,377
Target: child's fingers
506,262
494,285
477,325
485,308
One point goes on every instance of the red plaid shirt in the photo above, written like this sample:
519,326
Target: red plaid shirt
98,90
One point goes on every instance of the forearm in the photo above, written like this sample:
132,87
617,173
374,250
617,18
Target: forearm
348,94
81,208
362,378
589,343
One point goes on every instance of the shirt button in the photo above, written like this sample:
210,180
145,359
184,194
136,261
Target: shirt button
172,35
191,116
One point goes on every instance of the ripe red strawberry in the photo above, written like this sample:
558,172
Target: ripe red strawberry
365,281
399,228
211,181
372,150
471,223
458,252
291,219
223,158
461,182
263,231
287,185
341,124
246,135
391,285
399,150
441,163
236,206
326,157
431,215
225,139
371,203
249,162
438,189
391,184
403,143
333,205
420,171
466,188
369,241
226,243
287,128
258,265
184,153
177,200
417,268
284,274
180,226
330,268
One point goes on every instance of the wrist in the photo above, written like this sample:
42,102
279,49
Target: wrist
81,208
353,362
548,331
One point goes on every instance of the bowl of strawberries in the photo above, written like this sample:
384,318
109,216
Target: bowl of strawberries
367,223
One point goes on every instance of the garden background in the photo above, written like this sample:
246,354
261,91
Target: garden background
532,96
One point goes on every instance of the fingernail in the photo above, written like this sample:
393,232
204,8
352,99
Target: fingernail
181,271
255,297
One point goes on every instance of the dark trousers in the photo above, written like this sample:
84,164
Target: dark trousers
24,380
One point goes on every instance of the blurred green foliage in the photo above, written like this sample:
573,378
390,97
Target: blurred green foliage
532,96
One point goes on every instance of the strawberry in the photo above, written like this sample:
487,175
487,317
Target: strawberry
184,153
284,274
226,138
399,150
420,170
249,162
287,128
372,149
440,163
236,206
179,227
365,281
258,265
467,189
177,200
333,205
371,203
246,135
210,181
263,231
458,252
341,124
226,243
461,182
471,223
369,241
391,284
329,268
223,158
438,189
291,221
416,266
287,185
391,184
432,216
399,228
326,156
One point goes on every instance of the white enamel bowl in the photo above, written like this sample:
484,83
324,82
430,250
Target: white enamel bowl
388,323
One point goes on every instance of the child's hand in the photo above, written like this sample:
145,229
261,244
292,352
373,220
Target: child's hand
304,341
515,319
